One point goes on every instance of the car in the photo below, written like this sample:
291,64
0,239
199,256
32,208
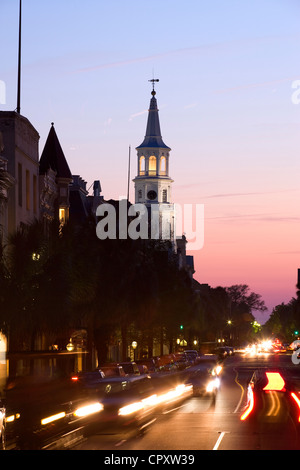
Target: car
222,352
143,369
106,379
130,368
206,381
168,362
192,352
181,360
165,362
113,370
149,363
272,397
230,350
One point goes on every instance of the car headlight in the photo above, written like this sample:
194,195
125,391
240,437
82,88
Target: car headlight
213,385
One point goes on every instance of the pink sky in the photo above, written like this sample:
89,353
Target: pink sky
226,72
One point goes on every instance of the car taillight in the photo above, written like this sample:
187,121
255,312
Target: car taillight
275,382
297,400
250,405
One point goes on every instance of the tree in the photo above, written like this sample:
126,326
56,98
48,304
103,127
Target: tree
242,305
283,321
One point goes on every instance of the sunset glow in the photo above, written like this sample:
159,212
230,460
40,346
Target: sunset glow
228,106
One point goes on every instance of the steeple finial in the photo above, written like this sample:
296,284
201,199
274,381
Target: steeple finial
153,136
153,80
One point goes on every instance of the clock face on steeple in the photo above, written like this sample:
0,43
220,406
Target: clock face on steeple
152,195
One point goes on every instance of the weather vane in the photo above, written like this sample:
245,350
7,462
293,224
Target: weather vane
153,80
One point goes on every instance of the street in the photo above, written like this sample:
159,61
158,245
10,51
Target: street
200,424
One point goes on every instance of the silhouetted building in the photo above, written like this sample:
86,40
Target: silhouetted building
20,161
64,196
55,179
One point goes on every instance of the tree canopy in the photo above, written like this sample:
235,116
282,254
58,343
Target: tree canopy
52,283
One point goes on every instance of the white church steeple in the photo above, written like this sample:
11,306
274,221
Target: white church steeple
153,184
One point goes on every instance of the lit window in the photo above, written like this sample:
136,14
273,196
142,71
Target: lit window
62,216
142,165
152,165
163,166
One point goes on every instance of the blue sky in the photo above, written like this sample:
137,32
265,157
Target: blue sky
226,70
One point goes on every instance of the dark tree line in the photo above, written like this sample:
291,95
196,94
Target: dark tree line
284,321
117,290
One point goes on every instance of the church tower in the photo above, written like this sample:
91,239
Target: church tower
153,185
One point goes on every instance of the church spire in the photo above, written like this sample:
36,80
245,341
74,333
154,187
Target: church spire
153,136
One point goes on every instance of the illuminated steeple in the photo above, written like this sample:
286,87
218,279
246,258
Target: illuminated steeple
153,183
153,136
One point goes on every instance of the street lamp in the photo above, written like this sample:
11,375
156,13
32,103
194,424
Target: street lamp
70,346
134,346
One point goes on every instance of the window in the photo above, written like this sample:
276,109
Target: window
62,216
163,166
142,165
62,219
27,190
165,195
20,185
152,165
34,194
140,195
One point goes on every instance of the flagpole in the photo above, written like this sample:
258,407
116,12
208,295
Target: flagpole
19,62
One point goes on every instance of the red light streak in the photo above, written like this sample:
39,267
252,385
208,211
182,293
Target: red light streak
250,407
297,400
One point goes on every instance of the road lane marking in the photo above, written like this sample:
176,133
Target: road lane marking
173,409
148,424
242,394
217,444
120,442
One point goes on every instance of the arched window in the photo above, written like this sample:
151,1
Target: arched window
142,165
152,165
163,166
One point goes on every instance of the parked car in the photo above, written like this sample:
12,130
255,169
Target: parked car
105,379
167,362
130,368
192,355
149,363
182,361
113,370
143,369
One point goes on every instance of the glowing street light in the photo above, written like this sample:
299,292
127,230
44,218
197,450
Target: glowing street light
134,346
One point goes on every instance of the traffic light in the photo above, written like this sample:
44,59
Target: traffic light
181,327
296,332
